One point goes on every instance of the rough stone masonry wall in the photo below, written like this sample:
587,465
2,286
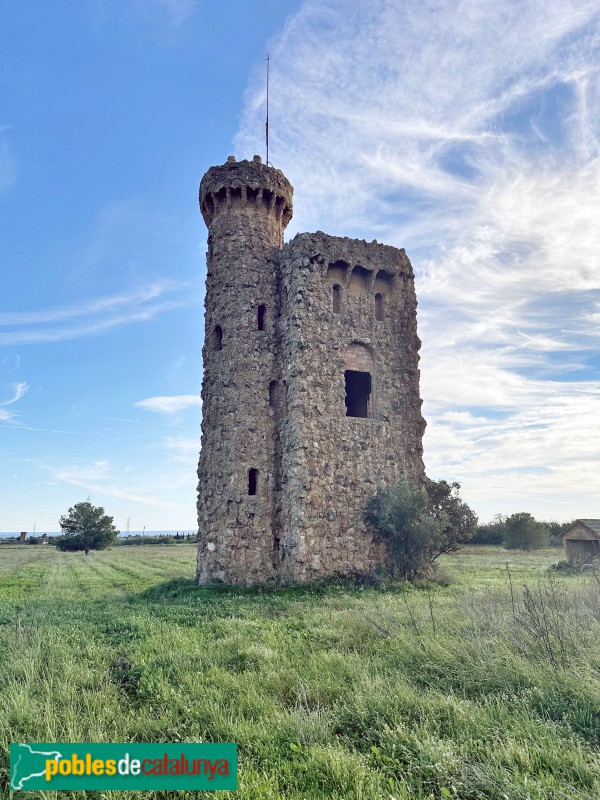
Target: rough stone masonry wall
274,399
332,462
246,206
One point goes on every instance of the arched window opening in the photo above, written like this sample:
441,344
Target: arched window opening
260,317
359,281
218,338
379,307
358,393
252,481
267,197
384,282
336,297
235,197
336,272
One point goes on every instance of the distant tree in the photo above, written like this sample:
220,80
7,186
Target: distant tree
490,533
556,531
86,527
419,524
523,532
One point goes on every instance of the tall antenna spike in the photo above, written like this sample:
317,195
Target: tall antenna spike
267,122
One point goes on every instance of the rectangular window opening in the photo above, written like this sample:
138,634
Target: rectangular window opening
336,295
358,393
260,317
252,481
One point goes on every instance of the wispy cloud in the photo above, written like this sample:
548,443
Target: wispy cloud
19,390
170,404
86,308
98,470
183,449
98,478
409,123
43,430
91,317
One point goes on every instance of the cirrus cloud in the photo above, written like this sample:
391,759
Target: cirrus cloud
170,404
408,122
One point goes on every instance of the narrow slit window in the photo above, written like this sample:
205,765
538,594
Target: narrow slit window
252,481
336,294
273,393
260,317
358,393
379,307
218,337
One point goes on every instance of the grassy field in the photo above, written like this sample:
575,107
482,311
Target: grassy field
485,687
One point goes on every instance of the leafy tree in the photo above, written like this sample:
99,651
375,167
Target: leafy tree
457,522
419,524
86,527
522,531
556,531
491,533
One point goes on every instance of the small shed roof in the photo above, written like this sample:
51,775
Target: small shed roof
592,529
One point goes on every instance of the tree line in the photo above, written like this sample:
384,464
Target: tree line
417,522
521,531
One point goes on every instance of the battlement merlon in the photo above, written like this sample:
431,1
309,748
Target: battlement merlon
240,184
371,256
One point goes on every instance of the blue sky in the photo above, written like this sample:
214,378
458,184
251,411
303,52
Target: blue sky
466,132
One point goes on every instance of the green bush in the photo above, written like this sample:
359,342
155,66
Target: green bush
419,524
523,532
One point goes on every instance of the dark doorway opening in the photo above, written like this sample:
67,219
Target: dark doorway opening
218,340
252,480
358,393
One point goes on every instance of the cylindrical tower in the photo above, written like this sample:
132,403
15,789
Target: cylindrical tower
246,206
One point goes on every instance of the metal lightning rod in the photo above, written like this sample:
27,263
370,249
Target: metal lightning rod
267,122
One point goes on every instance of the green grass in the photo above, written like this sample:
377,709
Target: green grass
398,692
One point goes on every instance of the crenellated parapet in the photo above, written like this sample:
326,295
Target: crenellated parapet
246,185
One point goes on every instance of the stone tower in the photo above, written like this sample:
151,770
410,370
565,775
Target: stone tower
310,390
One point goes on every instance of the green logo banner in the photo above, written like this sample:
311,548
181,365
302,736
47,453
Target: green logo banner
123,766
